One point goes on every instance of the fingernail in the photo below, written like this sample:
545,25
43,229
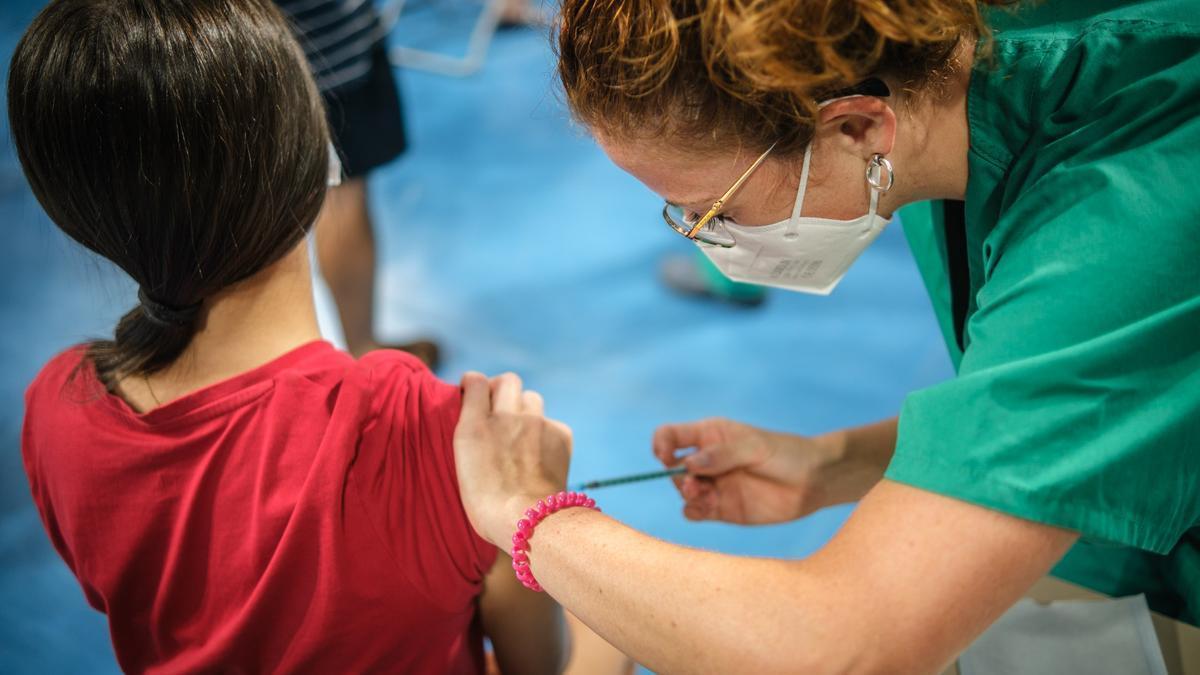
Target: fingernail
700,460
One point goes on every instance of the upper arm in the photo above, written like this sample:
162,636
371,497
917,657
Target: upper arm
526,628
404,471
918,576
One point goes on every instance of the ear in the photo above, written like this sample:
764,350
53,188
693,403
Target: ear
863,125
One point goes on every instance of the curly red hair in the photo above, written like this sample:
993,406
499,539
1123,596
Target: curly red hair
711,72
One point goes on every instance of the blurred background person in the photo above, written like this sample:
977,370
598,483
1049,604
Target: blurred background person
344,43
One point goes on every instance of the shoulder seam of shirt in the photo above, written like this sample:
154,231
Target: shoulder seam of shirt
980,142
380,363
1144,25
1013,34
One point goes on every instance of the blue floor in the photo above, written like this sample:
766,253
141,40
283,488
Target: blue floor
506,234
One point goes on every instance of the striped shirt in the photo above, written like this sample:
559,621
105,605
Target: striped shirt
338,37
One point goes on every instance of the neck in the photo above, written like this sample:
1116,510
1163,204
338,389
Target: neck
239,329
933,138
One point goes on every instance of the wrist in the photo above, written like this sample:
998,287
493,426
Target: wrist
505,517
542,510
504,523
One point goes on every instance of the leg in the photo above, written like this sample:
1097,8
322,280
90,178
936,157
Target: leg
346,253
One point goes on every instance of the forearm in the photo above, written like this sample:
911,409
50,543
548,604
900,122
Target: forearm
676,609
909,581
862,455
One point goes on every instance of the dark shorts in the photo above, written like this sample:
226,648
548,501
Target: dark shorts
366,120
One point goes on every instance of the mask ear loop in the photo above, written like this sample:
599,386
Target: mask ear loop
876,167
804,169
799,203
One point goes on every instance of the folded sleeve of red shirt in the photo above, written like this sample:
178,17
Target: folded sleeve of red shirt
41,402
58,384
406,474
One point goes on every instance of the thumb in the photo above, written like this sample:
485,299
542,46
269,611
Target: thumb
477,398
715,460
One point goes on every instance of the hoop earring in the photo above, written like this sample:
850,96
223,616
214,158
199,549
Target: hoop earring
879,168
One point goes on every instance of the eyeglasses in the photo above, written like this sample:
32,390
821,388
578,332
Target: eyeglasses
710,228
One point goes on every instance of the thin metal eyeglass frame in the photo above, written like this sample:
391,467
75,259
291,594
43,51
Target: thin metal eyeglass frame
712,212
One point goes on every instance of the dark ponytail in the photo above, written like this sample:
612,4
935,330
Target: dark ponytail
148,337
184,140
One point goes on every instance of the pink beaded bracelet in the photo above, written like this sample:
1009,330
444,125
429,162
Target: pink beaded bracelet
533,516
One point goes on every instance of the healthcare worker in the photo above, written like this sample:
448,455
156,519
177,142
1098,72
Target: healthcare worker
1048,156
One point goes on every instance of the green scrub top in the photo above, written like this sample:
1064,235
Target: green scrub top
1077,400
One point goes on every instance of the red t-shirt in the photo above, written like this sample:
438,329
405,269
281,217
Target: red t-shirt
303,516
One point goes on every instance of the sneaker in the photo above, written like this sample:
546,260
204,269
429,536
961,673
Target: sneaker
696,276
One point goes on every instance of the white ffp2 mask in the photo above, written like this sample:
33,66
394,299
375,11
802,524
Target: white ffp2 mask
805,254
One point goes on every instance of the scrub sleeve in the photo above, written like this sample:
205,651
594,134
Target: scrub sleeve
1077,401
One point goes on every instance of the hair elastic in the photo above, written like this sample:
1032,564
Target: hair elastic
533,516
167,316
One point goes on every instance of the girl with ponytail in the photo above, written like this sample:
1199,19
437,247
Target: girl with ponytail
235,494
1042,156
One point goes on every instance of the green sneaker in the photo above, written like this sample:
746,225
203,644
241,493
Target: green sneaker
697,276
